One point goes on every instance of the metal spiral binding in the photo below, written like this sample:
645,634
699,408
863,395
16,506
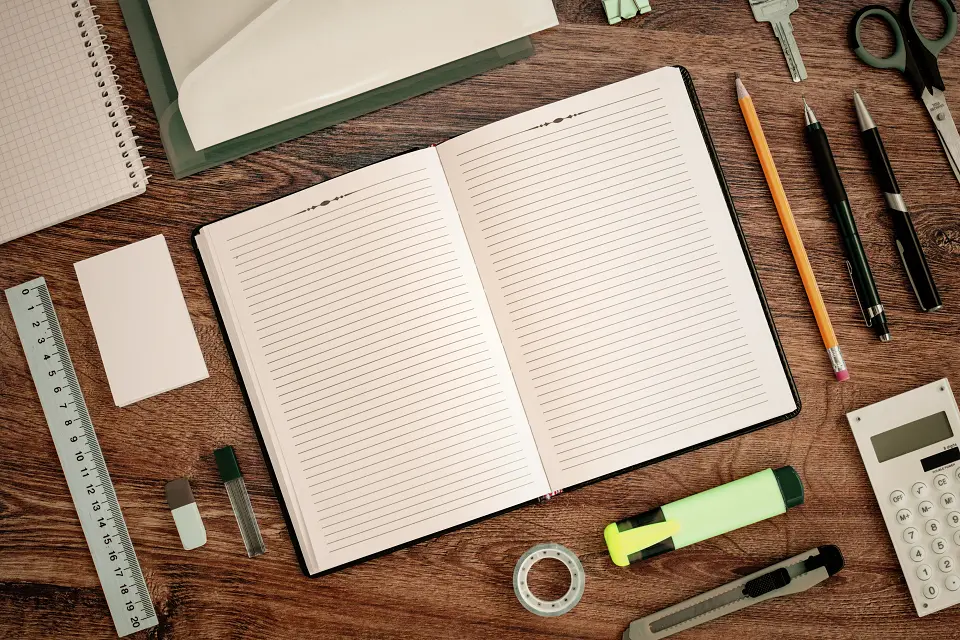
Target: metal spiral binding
94,41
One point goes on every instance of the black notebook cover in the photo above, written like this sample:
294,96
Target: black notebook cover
688,80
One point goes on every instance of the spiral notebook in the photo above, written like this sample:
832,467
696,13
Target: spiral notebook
534,305
66,143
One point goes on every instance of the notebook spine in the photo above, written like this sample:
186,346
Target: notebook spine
102,68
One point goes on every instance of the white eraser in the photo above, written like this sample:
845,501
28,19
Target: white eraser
186,515
192,532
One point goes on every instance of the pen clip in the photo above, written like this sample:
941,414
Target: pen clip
856,292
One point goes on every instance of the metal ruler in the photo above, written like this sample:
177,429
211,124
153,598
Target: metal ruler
80,456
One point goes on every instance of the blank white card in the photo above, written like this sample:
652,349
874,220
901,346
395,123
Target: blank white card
146,339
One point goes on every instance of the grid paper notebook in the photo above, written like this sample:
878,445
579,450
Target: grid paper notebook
535,305
66,143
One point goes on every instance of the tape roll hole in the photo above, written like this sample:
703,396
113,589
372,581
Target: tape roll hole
549,580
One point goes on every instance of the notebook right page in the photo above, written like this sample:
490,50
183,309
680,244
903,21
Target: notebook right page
616,277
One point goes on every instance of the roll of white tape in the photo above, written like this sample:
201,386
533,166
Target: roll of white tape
544,607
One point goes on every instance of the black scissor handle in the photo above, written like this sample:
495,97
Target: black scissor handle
925,50
911,30
898,59
915,55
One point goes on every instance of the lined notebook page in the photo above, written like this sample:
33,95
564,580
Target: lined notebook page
377,373
59,148
616,277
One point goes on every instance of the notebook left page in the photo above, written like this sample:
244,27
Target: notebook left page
373,365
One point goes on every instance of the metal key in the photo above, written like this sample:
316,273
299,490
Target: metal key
777,13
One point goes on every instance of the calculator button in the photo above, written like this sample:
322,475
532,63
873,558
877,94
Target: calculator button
925,508
946,565
904,516
924,572
956,537
941,481
911,535
919,489
931,591
939,546
932,527
953,519
897,497
917,554
952,583
948,501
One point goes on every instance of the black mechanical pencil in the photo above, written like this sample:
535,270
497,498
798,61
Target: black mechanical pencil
863,283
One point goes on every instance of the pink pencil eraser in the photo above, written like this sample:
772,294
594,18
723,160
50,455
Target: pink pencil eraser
843,375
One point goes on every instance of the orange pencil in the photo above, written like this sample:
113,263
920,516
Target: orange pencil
793,234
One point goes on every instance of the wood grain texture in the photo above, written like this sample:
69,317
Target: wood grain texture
459,586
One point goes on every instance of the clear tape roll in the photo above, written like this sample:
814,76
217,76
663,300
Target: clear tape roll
548,608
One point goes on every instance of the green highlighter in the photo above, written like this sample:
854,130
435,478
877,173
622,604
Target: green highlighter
704,515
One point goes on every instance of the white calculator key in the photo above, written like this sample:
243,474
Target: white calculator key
897,497
941,481
904,516
924,572
946,565
932,527
925,508
952,583
953,519
939,546
911,535
948,501
917,554
931,591
919,489
958,473
956,537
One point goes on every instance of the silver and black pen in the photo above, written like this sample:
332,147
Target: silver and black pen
904,233
863,283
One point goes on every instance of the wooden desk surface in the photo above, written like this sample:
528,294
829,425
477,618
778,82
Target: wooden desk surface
459,586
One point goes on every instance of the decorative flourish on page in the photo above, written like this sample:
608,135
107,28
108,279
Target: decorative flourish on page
324,203
557,121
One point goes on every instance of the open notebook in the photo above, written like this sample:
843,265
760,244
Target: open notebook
537,304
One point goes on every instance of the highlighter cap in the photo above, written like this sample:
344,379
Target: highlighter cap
790,486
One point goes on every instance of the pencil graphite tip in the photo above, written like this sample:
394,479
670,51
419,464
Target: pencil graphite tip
741,90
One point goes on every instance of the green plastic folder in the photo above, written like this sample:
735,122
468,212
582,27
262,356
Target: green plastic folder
185,160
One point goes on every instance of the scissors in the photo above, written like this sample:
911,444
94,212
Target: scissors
916,57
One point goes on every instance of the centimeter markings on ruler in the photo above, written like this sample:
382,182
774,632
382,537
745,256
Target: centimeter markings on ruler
81,458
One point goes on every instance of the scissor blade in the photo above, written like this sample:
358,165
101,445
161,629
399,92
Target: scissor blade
936,104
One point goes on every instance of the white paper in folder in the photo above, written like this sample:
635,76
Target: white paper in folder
294,56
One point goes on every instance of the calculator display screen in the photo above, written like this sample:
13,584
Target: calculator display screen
911,436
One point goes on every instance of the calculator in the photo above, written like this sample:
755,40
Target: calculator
909,445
